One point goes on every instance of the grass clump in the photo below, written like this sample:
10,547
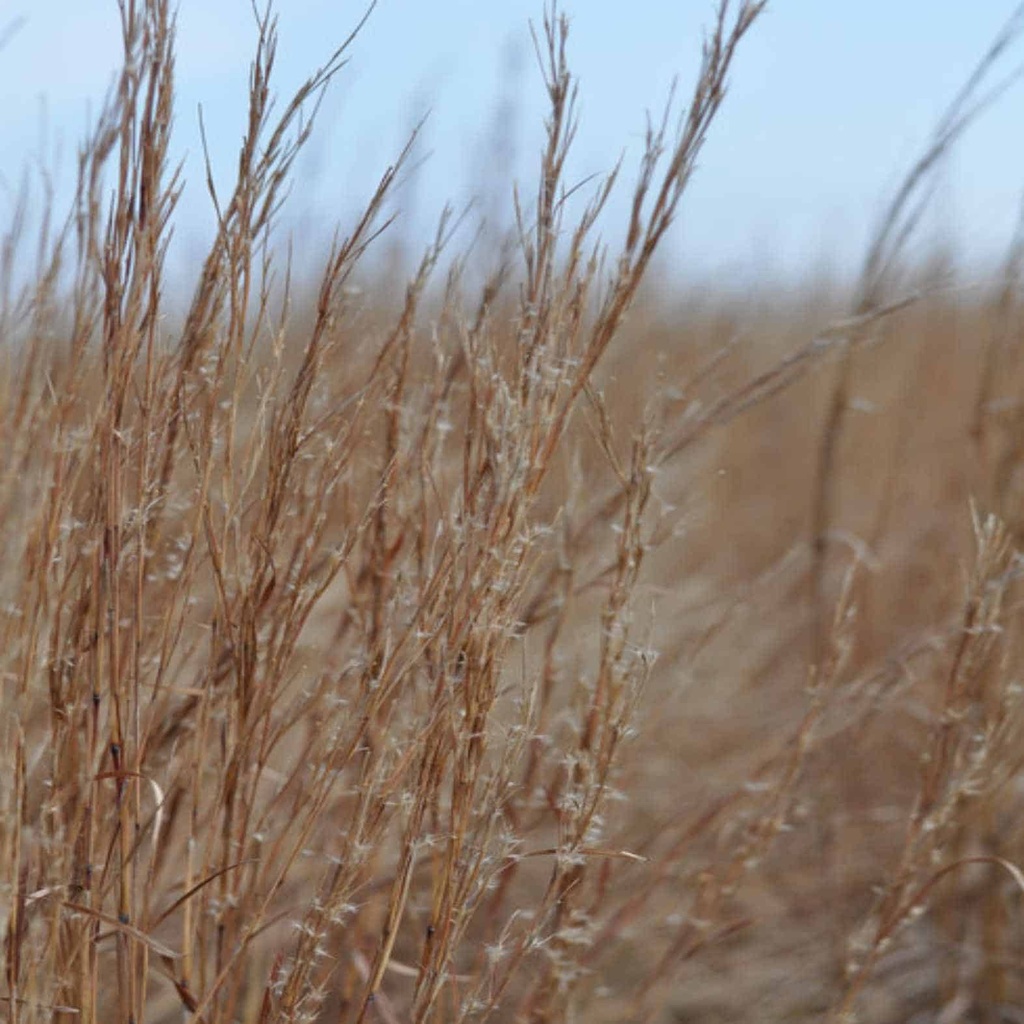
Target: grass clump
332,687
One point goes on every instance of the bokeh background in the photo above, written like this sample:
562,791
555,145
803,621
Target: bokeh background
828,107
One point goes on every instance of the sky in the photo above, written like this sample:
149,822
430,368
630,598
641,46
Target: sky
829,103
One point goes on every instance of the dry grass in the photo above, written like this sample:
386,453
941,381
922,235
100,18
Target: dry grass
479,654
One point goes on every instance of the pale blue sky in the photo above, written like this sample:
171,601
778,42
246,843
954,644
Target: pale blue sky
830,101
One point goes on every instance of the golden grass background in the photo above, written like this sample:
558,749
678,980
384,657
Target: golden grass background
566,647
